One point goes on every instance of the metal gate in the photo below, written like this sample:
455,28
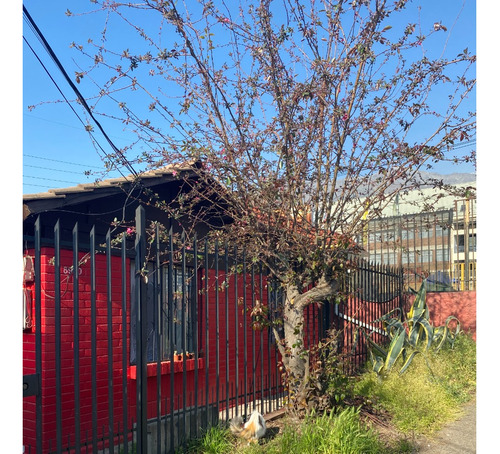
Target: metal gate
371,290
139,342
142,340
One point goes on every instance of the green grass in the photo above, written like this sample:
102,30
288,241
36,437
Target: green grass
326,434
343,433
420,402
456,369
216,440
432,390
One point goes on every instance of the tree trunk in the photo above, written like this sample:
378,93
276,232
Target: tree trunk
295,357
293,324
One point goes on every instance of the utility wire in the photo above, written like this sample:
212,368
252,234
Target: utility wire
50,179
52,79
82,100
63,95
37,185
52,169
61,162
137,181
463,145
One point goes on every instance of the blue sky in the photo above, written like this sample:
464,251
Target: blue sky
57,150
52,132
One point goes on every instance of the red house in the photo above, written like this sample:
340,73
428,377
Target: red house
132,341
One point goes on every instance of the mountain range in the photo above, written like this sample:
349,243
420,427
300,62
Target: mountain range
452,178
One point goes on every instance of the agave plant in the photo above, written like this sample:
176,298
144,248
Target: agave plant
409,337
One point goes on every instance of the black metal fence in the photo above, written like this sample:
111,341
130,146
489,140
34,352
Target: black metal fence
123,357
420,243
372,290
438,246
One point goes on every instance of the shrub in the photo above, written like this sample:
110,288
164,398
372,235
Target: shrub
409,337
326,386
431,392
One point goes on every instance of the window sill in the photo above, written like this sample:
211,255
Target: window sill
165,369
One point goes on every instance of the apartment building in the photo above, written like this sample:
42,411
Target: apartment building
431,233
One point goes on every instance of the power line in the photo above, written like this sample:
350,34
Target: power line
52,169
82,100
51,121
62,162
62,94
49,179
52,79
37,185
64,124
463,145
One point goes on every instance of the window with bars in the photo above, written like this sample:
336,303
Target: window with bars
171,314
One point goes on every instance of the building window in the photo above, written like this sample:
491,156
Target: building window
391,258
472,243
442,255
407,234
409,257
460,243
441,231
388,236
426,256
426,233
170,327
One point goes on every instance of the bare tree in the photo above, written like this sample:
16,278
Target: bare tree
309,115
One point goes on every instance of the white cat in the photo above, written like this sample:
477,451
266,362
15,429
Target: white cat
252,430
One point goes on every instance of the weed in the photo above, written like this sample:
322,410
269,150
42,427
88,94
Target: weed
420,401
328,433
430,393
216,440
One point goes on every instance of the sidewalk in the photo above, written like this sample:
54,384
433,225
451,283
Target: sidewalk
458,437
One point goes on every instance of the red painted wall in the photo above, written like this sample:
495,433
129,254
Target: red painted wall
460,304
239,324
441,305
238,374
47,328
355,314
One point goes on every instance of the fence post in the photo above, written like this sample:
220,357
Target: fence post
76,335
125,357
109,305
57,328
401,290
38,334
141,339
